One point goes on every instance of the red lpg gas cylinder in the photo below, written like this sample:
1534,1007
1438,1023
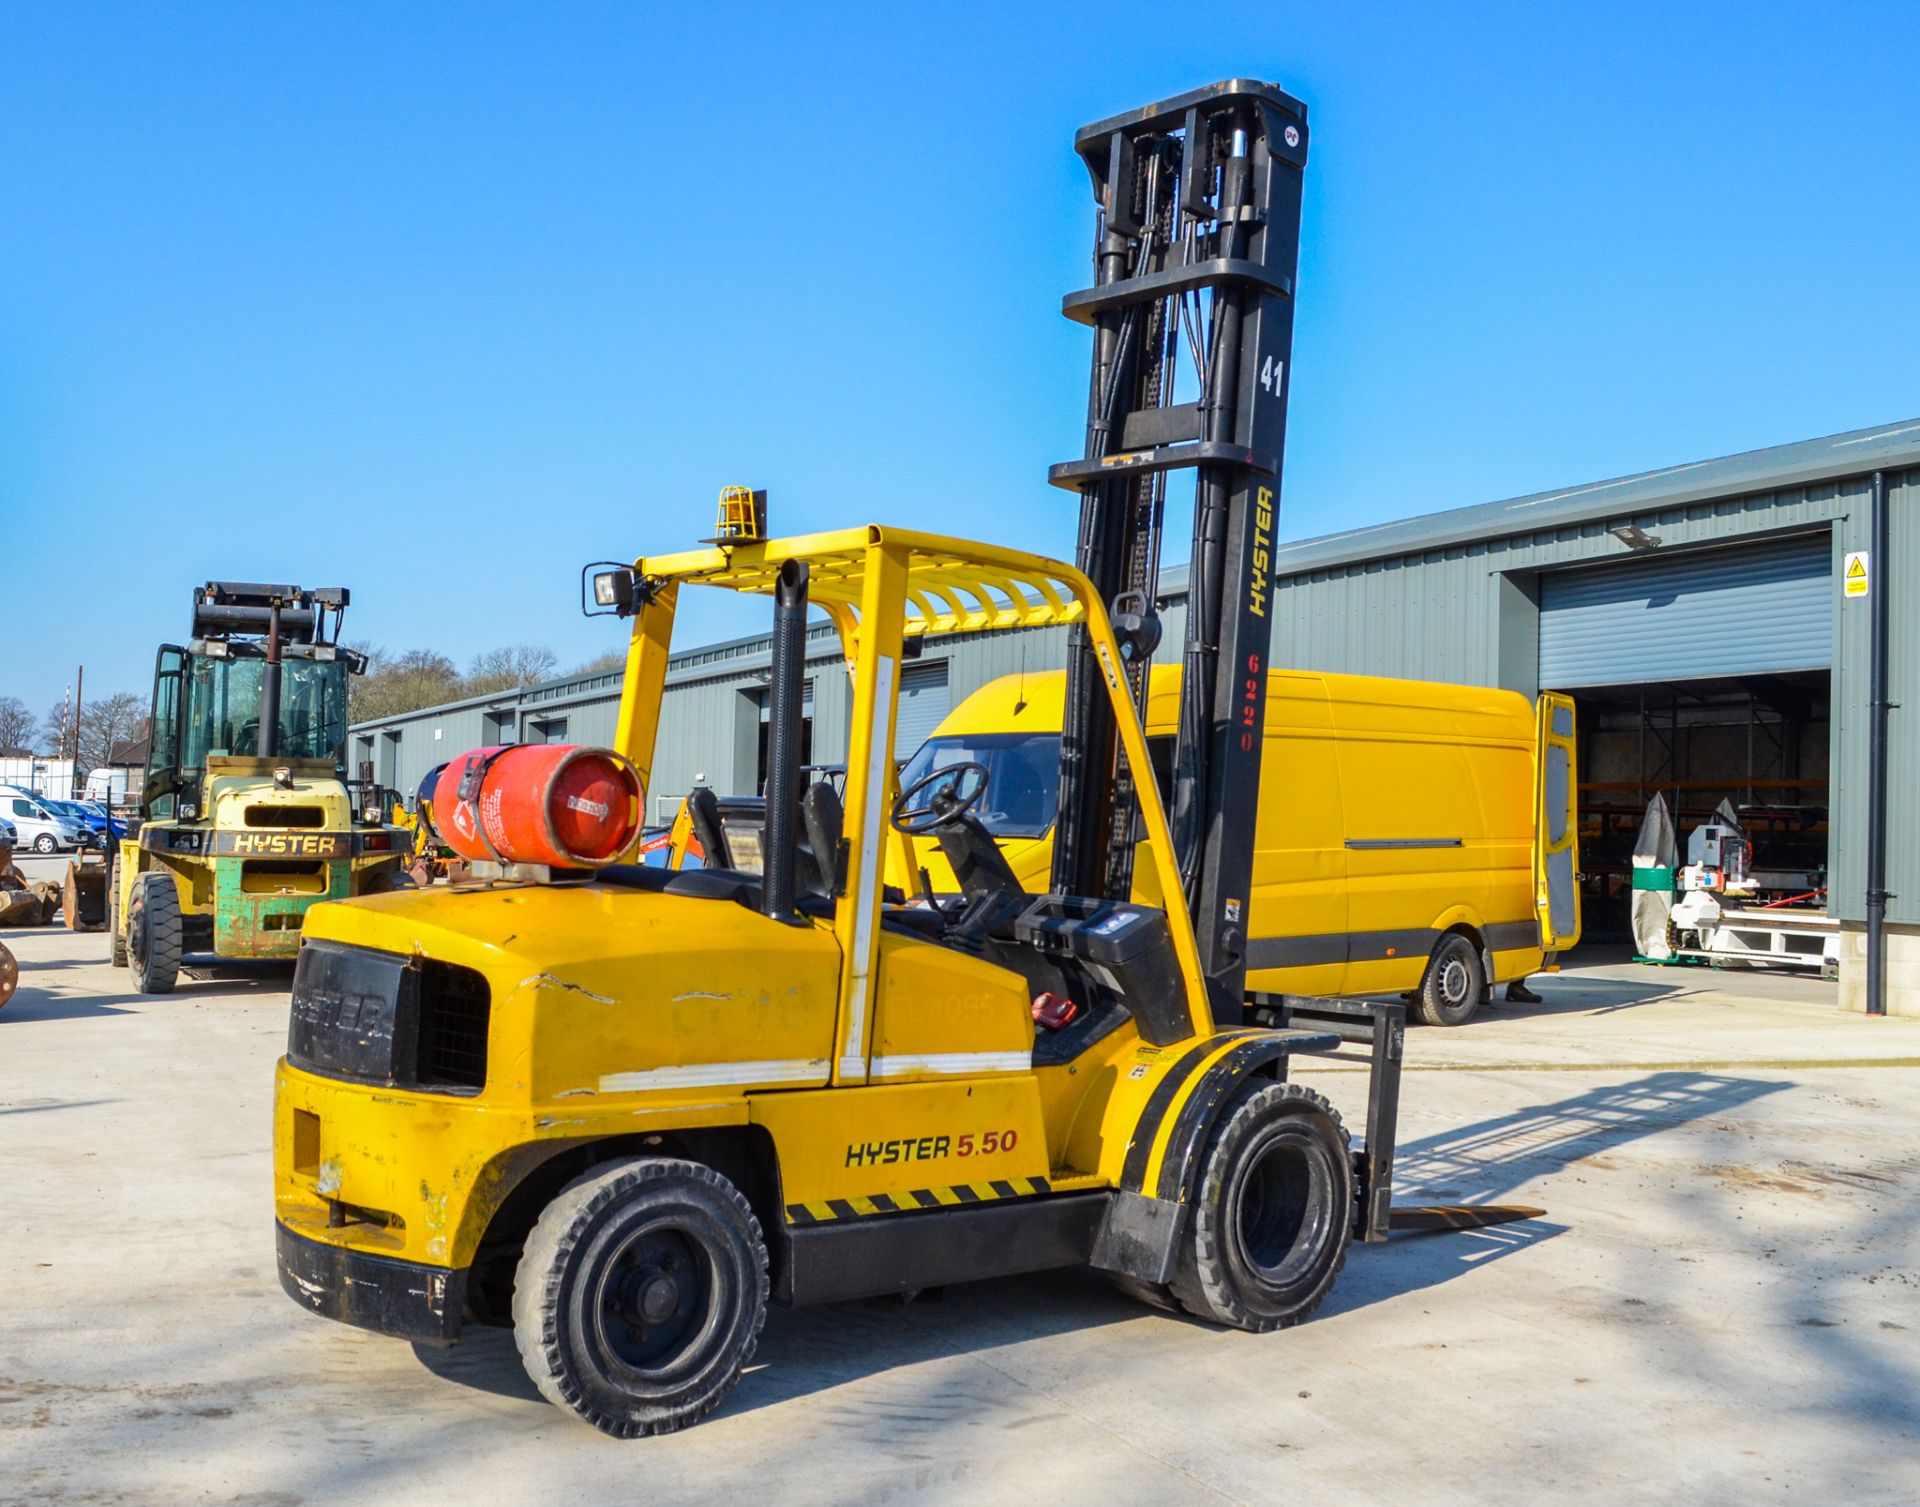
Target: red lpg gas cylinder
551,803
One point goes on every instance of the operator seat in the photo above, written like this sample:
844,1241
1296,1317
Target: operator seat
703,812
823,819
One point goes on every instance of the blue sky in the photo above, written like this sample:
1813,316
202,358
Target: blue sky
440,302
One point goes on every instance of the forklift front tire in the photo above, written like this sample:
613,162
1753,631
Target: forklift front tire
1154,1294
641,1294
154,932
1270,1228
116,923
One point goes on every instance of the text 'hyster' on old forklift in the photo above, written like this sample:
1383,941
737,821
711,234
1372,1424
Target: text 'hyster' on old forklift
622,1107
246,817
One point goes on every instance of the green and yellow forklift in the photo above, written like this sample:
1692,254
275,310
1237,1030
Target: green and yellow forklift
247,818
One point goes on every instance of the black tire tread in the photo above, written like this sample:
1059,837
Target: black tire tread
388,880
1154,1294
156,905
116,923
1198,1282
538,1282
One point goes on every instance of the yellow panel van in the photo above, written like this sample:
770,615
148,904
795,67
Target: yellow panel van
1413,838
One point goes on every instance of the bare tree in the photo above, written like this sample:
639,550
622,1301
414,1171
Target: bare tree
18,728
613,659
56,733
107,723
403,683
509,668
104,721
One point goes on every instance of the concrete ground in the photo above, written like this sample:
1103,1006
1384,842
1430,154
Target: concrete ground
1720,1304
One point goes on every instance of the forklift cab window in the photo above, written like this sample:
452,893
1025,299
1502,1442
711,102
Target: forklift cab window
1023,777
223,709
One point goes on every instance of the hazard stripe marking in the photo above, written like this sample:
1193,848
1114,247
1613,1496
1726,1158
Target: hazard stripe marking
865,1206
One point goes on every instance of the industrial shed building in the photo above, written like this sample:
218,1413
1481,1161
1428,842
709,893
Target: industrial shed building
1696,613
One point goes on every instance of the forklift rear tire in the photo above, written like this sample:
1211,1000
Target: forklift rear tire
1454,983
641,1295
1270,1228
116,923
153,933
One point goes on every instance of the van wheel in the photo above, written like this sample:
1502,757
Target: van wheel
1274,1214
44,843
1454,984
640,1295
116,931
153,933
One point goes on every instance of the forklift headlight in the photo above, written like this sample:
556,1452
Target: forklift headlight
611,589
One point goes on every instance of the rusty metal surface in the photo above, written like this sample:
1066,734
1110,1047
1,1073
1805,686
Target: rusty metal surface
255,925
85,902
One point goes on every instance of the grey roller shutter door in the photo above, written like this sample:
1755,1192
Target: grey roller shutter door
1746,610
765,698
923,707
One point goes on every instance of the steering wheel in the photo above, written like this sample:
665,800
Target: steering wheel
961,796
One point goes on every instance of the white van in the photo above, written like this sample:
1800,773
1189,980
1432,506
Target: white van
38,826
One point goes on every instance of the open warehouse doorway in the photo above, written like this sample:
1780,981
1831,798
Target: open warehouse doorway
1704,676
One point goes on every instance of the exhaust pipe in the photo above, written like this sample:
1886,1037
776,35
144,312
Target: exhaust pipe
779,843
269,744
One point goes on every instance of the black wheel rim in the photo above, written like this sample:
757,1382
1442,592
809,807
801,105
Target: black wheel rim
1283,1207
653,1301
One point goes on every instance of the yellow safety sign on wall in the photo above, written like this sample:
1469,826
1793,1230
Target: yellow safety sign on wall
1854,576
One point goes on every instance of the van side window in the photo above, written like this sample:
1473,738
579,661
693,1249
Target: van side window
1160,756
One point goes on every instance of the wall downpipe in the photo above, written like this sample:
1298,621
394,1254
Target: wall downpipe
1877,708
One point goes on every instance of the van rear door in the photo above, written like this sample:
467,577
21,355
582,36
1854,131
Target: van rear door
1556,837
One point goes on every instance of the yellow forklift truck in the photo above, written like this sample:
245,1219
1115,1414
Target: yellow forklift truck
623,1108
246,817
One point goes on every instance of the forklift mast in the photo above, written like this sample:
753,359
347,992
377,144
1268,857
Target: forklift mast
1197,240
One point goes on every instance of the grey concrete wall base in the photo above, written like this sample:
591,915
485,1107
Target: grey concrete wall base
1903,969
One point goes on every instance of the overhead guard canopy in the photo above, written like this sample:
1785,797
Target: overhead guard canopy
952,587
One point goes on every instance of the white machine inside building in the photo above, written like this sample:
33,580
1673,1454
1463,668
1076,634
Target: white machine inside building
1719,915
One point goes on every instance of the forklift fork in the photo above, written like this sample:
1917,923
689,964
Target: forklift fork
1380,1026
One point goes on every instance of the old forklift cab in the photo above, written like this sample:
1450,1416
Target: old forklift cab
621,1107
